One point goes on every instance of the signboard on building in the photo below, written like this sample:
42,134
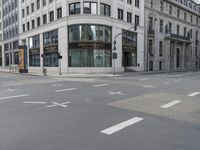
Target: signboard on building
23,66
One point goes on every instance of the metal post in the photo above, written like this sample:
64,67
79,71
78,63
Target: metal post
60,67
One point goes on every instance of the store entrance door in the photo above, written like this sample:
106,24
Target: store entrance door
127,60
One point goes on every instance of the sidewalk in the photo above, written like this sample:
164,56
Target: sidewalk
100,75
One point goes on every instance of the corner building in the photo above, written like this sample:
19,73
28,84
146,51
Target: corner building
172,30
82,31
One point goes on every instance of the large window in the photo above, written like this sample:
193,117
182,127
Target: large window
74,8
34,51
90,46
105,10
89,8
51,49
129,46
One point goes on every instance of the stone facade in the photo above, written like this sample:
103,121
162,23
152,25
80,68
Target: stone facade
172,35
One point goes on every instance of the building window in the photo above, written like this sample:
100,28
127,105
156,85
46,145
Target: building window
160,48
161,26
137,20
120,14
33,24
28,26
89,8
51,48
137,3
34,51
44,19
161,6
74,8
44,2
59,13
27,10
105,10
178,30
51,16
185,31
23,28
38,21
178,13
150,47
23,13
129,17
170,10
38,4
32,7
90,46
129,2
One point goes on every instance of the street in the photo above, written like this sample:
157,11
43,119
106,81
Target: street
126,112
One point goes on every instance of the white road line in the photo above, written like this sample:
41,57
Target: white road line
121,126
145,79
16,96
166,83
99,85
65,90
14,84
194,94
149,86
29,102
116,93
170,104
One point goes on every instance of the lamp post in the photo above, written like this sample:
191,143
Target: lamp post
114,54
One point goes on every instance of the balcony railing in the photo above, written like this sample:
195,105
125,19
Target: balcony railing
151,32
177,37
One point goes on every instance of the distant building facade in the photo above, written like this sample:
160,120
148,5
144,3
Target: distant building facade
172,35
10,32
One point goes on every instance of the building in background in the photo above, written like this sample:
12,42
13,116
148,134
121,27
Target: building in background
1,35
82,32
10,32
172,35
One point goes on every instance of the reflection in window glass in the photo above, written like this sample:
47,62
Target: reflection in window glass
90,46
74,8
89,8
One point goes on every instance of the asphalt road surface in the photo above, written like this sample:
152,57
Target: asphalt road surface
128,112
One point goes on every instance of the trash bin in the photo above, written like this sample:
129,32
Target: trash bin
45,71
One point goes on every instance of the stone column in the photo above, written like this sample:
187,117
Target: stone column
183,56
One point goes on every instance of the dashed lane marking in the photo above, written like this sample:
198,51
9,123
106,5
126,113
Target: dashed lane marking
16,96
116,93
193,94
168,105
122,125
30,102
99,85
65,90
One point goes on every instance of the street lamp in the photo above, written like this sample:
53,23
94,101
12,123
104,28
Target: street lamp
114,54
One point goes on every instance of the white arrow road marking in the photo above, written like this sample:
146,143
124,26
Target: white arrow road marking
194,94
121,126
170,104
30,102
99,85
65,90
16,96
116,93
58,104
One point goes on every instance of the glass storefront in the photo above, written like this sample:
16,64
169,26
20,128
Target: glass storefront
34,51
16,58
129,46
90,46
51,49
